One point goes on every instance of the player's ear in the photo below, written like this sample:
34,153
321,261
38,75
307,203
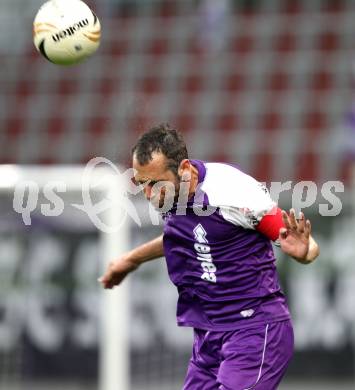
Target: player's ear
184,167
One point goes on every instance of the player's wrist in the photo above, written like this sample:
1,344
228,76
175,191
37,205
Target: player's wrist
310,255
313,251
130,263
123,265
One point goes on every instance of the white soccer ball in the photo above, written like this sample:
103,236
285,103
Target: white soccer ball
66,32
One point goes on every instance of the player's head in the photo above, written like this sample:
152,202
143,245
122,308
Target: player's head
160,155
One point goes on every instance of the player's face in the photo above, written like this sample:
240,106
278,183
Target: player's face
160,182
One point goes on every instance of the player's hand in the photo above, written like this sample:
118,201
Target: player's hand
116,272
295,236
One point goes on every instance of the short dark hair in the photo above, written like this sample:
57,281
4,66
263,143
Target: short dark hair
162,139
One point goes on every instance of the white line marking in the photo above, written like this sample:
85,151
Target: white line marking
262,359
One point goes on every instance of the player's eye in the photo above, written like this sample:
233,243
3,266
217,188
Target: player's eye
144,182
150,183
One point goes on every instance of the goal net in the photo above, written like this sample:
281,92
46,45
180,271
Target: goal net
59,228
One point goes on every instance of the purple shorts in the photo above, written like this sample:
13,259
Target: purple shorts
243,359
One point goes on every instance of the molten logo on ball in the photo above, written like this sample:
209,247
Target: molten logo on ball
70,31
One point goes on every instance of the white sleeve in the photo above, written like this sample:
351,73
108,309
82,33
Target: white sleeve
242,200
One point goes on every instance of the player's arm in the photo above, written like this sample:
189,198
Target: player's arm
130,261
251,207
294,236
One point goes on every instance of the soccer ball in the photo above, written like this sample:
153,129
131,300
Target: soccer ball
66,32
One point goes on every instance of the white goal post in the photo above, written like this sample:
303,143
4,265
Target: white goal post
113,329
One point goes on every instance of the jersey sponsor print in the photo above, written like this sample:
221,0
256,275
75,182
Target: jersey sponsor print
223,267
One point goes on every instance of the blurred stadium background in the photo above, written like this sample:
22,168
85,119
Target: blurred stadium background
267,84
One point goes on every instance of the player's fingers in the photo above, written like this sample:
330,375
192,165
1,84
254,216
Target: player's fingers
301,223
308,228
107,284
285,219
292,218
105,279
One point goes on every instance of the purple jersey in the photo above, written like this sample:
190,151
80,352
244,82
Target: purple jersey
223,268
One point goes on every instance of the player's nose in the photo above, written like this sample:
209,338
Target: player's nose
148,192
